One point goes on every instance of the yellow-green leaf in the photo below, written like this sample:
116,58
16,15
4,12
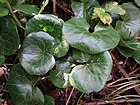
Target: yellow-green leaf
104,17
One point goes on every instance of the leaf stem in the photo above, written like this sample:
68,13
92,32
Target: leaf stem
13,15
44,5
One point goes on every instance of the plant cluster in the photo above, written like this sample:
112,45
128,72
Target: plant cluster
73,53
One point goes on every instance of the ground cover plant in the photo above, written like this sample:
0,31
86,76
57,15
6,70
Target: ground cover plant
44,55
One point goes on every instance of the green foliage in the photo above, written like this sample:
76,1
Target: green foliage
76,33
113,7
3,10
35,57
72,53
2,59
21,87
93,75
9,38
27,9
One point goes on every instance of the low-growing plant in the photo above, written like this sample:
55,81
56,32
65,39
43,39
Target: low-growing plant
74,53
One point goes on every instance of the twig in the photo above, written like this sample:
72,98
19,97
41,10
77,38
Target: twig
69,96
54,7
79,99
13,15
115,101
64,8
44,5
123,71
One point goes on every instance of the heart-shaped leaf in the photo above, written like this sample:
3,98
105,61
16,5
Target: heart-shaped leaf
21,87
9,39
60,76
52,25
113,7
76,33
92,76
27,9
2,59
35,57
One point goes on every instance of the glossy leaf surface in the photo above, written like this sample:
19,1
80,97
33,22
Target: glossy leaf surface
35,57
52,25
9,39
60,76
27,9
127,52
80,57
113,7
131,22
21,87
92,76
77,35
78,8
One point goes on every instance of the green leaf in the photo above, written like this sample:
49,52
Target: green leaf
92,76
123,31
115,8
131,22
104,17
136,56
133,43
9,38
78,8
27,9
137,2
77,35
16,2
2,59
127,52
79,56
3,10
21,87
60,76
61,49
2,1
83,8
52,25
49,100
35,57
